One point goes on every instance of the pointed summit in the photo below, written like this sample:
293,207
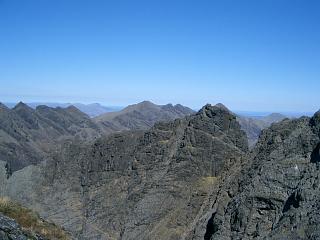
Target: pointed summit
22,106
4,107
220,105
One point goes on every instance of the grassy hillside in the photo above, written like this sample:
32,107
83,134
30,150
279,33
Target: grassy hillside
30,221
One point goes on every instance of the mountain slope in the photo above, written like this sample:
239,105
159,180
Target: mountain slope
190,178
141,116
27,135
136,184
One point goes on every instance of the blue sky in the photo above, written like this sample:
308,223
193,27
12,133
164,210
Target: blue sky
250,55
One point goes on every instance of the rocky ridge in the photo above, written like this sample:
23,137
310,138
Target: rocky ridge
275,194
141,116
136,184
27,135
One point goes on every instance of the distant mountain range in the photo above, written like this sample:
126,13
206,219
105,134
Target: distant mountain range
27,134
92,110
144,115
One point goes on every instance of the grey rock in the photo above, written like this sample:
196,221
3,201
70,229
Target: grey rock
135,184
275,193
10,230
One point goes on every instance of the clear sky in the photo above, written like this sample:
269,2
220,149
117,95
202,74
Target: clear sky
259,55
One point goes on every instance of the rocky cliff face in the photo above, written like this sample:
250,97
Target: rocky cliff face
275,194
137,184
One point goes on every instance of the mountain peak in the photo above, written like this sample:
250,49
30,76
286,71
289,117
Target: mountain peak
74,110
146,103
220,105
22,106
209,109
2,106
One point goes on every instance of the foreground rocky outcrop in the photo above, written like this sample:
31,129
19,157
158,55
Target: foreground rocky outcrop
20,223
9,229
275,195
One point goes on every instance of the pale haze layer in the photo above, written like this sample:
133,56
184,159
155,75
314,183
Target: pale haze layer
250,55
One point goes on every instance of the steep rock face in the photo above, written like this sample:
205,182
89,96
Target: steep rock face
136,184
27,135
275,195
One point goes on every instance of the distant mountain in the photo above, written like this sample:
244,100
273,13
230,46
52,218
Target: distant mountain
27,134
253,126
141,116
92,110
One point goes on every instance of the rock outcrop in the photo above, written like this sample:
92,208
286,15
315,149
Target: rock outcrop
9,229
275,194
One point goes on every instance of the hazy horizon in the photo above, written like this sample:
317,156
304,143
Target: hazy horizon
112,108
249,55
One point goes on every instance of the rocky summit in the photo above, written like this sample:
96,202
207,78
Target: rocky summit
189,178
275,194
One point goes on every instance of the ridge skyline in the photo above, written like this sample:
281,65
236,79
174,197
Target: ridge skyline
118,107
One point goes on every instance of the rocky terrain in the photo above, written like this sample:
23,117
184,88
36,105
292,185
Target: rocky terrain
9,229
141,116
275,194
137,184
28,135
189,178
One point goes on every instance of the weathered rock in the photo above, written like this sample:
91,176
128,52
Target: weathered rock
136,184
275,194
10,230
